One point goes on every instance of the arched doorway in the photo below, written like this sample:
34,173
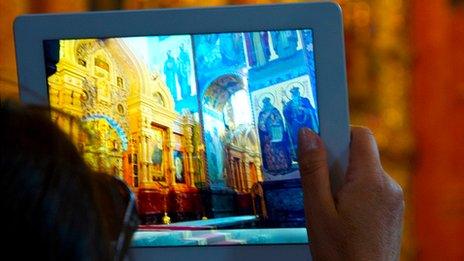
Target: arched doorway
218,120
106,147
230,145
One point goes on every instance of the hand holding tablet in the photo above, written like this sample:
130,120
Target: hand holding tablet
364,220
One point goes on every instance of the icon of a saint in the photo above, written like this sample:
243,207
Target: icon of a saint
274,139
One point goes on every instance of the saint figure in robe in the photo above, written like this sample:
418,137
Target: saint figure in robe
299,113
274,140
183,72
170,71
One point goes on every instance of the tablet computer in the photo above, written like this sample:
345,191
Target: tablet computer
198,111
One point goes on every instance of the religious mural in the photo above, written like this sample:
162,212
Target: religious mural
274,139
284,42
197,125
179,166
280,111
157,155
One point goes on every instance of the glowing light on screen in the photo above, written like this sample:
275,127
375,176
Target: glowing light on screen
242,107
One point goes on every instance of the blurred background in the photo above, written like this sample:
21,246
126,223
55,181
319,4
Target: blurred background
405,63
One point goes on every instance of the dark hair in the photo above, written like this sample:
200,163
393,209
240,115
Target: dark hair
49,198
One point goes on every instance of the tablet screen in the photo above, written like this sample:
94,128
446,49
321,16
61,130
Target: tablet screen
203,128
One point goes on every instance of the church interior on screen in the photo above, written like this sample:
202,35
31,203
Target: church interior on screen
203,128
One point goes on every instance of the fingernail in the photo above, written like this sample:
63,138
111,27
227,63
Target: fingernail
308,139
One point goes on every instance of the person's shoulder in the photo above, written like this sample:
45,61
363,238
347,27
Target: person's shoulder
306,100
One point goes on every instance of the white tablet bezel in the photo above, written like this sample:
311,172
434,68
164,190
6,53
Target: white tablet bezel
323,18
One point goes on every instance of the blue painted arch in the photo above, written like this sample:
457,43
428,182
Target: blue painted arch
210,81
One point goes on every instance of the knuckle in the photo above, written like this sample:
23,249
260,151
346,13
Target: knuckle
312,162
361,131
397,192
311,166
394,192
394,189
376,177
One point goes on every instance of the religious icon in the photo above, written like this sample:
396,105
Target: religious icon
103,89
179,166
84,96
207,53
274,139
231,48
284,42
157,156
214,154
170,71
257,44
298,113
120,82
120,109
183,72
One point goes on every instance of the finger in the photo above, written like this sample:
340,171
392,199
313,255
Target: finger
364,154
314,173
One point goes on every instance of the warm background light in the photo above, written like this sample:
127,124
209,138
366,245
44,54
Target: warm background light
405,64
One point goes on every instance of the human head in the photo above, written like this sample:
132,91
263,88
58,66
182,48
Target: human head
52,203
295,91
267,102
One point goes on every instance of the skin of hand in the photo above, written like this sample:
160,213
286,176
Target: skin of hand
363,220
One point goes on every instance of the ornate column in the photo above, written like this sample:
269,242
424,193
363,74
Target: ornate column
271,48
168,149
246,165
234,173
245,177
299,44
141,159
188,146
258,165
147,157
238,166
199,151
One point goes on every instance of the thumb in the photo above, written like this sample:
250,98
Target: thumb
314,171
